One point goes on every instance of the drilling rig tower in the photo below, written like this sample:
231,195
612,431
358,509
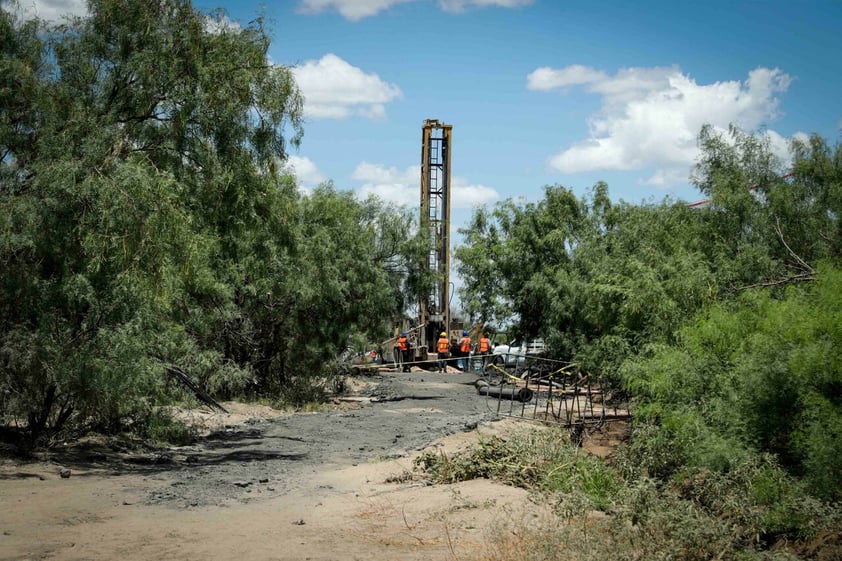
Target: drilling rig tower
434,304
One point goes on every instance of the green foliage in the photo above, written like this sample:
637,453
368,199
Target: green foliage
759,374
161,428
752,511
146,222
731,363
652,452
594,279
601,280
662,526
760,499
543,460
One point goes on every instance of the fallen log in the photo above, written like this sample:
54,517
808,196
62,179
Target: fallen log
201,394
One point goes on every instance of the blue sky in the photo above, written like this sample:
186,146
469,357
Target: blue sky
542,92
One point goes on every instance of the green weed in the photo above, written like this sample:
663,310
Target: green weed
163,428
542,460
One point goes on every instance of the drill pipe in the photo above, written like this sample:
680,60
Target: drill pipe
524,395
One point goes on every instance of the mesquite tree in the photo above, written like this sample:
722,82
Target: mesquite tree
146,220
722,322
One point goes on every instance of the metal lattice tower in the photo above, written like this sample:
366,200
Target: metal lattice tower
435,218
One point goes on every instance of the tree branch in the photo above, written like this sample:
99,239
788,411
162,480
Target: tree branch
801,277
801,263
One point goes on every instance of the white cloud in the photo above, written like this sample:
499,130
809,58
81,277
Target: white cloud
546,78
305,170
470,195
53,11
378,173
390,184
779,145
356,10
630,84
403,187
334,89
221,23
457,6
650,117
666,177
353,10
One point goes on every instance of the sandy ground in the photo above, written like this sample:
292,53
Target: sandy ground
266,485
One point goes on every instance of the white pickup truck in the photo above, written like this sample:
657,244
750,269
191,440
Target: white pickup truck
516,352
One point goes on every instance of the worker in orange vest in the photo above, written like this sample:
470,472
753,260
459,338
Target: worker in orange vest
484,348
464,350
442,347
403,349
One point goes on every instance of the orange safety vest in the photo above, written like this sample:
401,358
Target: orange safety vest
465,347
484,345
403,343
444,345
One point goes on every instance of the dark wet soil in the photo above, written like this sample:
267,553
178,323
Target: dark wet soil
396,414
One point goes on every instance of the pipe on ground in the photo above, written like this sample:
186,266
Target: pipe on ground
512,393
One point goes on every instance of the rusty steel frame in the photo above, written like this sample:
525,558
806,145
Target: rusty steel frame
558,395
434,305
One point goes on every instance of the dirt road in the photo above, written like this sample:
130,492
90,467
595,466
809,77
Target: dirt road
309,486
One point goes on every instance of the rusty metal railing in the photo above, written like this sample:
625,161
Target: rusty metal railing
549,391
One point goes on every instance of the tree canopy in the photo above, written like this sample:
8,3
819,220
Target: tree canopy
148,221
716,318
